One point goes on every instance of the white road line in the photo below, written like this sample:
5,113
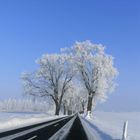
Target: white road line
24,132
32,138
56,124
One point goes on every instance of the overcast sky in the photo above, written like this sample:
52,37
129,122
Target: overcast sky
29,28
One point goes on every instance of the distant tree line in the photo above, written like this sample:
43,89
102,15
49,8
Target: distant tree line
24,105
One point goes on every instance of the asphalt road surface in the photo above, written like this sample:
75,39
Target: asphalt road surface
65,128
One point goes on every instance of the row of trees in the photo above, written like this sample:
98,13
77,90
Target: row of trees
77,77
26,105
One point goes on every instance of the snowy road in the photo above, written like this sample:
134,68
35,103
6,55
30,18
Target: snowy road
108,125
39,131
68,128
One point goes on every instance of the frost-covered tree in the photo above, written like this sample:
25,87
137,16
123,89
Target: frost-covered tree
75,99
52,78
96,70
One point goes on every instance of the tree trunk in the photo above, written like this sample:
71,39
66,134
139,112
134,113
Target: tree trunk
83,106
69,112
57,108
64,107
89,105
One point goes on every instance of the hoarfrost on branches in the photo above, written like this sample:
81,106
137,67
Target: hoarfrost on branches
95,69
81,75
51,79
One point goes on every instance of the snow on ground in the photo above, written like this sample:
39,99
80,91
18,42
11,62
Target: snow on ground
14,120
110,124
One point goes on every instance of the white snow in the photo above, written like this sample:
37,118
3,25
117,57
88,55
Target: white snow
110,124
14,120
107,124
63,132
90,131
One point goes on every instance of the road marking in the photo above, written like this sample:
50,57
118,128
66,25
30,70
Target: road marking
56,124
32,138
32,129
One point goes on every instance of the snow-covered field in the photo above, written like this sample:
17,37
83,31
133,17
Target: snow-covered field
107,124
111,124
14,120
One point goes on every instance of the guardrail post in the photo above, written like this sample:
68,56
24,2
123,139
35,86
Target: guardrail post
125,126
